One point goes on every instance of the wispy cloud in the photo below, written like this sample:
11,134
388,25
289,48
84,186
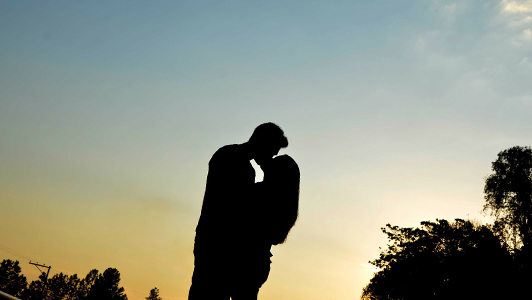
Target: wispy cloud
450,8
526,63
517,6
527,34
521,22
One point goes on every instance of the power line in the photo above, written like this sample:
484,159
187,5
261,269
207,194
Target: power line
14,252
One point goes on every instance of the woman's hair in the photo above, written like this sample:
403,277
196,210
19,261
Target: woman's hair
283,178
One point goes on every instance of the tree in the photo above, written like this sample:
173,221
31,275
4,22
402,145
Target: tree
37,289
11,279
154,295
106,287
63,287
86,284
508,194
442,260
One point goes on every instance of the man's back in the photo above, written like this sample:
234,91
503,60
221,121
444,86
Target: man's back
229,183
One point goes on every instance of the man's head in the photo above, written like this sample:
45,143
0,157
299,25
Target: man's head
266,141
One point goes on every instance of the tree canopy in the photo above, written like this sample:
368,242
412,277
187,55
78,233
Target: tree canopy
441,260
11,279
460,259
508,194
94,286
107,287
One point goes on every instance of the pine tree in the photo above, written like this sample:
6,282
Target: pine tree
154,295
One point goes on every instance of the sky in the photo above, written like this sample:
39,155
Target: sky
111,110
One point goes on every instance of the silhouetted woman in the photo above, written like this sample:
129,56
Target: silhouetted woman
281,181
275,208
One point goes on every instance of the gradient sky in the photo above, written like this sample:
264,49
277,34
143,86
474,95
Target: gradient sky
110,111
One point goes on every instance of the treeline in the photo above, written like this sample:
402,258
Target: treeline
461,259
95,286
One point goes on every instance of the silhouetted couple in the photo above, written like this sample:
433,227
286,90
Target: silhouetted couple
240,219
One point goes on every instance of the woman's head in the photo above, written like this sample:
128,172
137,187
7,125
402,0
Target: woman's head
283,171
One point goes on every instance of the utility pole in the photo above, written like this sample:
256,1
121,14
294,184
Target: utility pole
7,296
48,267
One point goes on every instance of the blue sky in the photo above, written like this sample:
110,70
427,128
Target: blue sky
110,111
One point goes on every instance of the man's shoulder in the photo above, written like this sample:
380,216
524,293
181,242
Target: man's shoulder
229,149
228,152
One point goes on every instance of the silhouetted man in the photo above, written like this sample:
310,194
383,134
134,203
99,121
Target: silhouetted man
222,233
